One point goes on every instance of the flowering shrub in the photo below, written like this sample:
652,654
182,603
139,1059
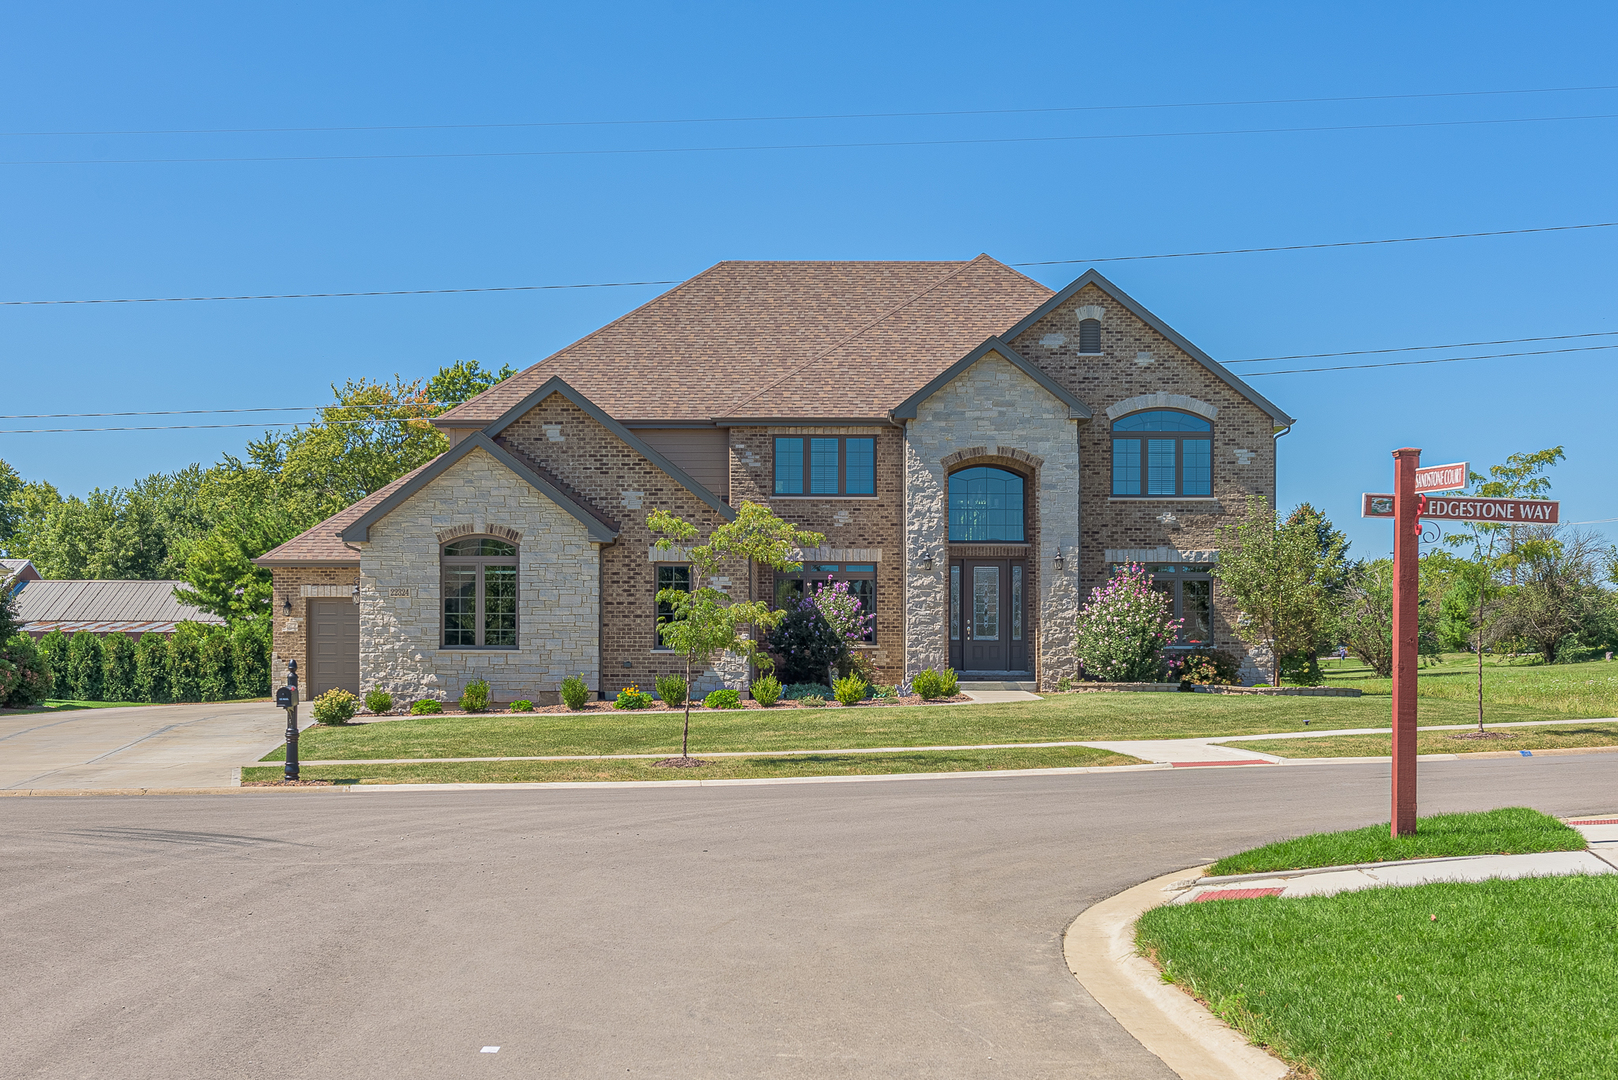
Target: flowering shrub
1211,668
1124,628
819,633
632,697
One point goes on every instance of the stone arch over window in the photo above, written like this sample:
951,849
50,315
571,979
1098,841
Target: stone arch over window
1183,402
1162,453
479,594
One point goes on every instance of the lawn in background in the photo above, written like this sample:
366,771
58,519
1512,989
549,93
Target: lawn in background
1583,689
467,772
1559,736
1513,980
1056,718
1513,830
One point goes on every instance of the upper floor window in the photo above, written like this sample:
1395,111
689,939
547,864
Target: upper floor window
480,593
825,465
1089,335
986,506
1162,452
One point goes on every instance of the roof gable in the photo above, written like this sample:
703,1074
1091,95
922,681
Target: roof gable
556,385
1134,307
359,530
1076,409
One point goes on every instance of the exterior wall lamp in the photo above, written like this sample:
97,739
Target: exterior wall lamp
1057,562
286,605
926,562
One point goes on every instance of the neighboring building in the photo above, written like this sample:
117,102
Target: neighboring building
103,607
15,572
979,451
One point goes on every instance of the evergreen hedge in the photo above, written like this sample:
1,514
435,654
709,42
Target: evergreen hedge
118,670
85,666
198,663
152,668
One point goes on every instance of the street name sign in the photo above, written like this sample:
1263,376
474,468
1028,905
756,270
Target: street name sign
1431,478
1471,508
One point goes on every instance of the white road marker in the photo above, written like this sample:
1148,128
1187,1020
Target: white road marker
490,1050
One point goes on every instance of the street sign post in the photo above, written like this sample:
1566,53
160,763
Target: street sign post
1409,503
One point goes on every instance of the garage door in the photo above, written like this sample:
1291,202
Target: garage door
334,646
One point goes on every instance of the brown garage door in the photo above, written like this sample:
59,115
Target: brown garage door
334,646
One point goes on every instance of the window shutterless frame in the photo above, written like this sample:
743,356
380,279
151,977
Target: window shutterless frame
479,593
667,576
1162,453
825,465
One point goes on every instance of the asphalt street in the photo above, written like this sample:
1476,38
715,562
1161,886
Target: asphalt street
891,929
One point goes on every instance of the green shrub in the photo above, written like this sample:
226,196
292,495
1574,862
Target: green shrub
335,707
185,664
850,689
632,697
152,668
29,680
85,663
425,707
949,683
250,657
794,691
723,699
218,682
53,647
522,705
804,644
475,697
575,692
118,671
1064,684
929,684
379,702
671,688
767,691
812,701
1123,629
1210,667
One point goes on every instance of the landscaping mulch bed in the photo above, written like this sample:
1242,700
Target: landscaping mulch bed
607,706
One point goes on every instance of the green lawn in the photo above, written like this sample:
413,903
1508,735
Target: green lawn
1512,830
1514,980
1582,690
1440,742
1060,717
718,769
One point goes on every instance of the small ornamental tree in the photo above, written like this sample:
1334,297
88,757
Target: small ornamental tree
1277,575
1124,628
704,622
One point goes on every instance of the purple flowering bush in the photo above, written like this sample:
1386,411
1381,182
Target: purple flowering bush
818,634
1124,629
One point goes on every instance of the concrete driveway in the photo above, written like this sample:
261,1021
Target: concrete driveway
901,929
155,746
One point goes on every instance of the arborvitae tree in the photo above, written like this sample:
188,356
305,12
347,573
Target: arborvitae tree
185,663
53,646
218,682
250,657
85,662
118,674
152,668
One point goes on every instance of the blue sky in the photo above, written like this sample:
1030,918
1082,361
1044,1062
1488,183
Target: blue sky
231,227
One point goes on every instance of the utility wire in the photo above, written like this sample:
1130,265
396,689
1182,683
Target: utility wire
805,146
1419,348
200,427
820,116
672,281
1414,363
193,412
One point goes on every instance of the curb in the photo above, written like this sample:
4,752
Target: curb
1185,1036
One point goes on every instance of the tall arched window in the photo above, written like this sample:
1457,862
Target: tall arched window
1162,452
986,506
480,593
1089,335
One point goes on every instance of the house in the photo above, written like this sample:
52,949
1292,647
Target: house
103,607
14,572
979,451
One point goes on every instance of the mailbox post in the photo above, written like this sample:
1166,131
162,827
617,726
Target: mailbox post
287,698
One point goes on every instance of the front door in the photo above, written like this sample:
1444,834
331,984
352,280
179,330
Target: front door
987,617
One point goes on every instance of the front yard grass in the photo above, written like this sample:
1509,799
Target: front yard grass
1569,736
1584,689
1056,718
503,772
1513,830
1514,980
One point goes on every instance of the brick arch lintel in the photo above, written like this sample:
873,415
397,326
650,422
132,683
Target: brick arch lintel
502,531
1004,453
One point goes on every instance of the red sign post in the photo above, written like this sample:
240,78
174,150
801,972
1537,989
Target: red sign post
1406,544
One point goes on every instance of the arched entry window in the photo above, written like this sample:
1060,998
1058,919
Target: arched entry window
480,593
986,506
1162,452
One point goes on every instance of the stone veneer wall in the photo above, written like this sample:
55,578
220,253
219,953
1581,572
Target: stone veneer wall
1136,361
289,639
558,591
993,406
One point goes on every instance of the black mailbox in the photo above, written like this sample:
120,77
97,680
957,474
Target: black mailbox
283,698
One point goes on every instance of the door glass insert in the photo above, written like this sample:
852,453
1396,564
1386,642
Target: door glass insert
986,603
955,603
1016,603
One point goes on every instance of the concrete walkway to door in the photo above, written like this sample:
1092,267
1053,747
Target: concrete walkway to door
153,746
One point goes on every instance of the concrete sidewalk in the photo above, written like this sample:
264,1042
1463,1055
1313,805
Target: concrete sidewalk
1601,858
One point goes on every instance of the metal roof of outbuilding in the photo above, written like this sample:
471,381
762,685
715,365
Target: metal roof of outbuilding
84,604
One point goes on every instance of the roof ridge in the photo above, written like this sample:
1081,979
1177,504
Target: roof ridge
879,320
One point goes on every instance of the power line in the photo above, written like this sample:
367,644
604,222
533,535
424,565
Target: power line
674,281
201,427
1414,363
211,412
819,116
803,146
1419,348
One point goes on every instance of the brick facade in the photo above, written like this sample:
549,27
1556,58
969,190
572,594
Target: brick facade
290,637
